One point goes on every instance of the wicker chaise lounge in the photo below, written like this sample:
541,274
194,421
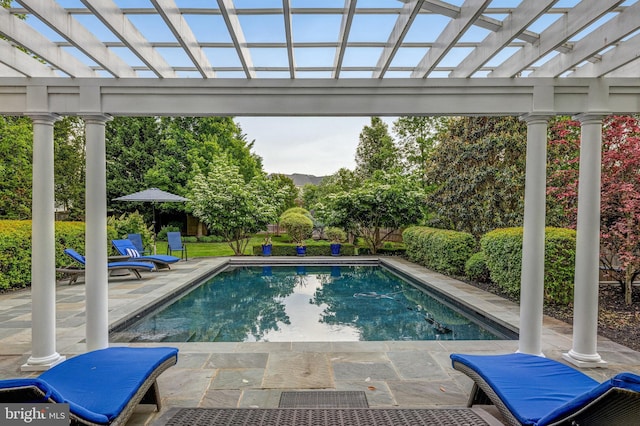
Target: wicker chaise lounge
101,387
532,390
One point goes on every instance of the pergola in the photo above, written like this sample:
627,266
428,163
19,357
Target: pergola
530,58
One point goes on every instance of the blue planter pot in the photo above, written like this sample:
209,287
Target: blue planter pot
335,249
266,249
301,251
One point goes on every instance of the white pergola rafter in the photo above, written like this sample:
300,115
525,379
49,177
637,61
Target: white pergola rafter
624,53
286,12
68,27
469,13
113,18
609,33
33,41
513,26
24,64
557,34
403,24
172,17
345,28
235,31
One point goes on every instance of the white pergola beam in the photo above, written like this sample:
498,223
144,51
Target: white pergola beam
112,17
22,63
286,12
513,25
24,35
169,11
625,52
607,34
67,26
235,31
345,28
469,13
558,33
401,27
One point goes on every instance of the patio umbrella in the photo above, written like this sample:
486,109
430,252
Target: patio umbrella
153,195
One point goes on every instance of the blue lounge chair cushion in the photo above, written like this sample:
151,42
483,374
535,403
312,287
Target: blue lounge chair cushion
98,385
122,246
530,386
623,381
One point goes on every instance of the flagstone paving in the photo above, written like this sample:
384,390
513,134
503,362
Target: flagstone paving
392,374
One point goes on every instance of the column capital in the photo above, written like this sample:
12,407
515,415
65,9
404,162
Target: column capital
43,117
96,118
536,117
590,117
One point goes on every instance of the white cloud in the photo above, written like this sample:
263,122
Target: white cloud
317,146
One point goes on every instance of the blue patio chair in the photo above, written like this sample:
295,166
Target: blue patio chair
174,243
75,272
102,387
532,390
126,248
136,239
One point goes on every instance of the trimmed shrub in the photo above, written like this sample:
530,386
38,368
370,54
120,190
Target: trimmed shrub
335,235
439,249
476,268
298,226
15,249
503,252
312,250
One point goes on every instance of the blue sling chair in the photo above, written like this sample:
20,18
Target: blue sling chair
102,387
126,248
532,390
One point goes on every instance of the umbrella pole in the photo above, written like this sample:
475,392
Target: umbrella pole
153,209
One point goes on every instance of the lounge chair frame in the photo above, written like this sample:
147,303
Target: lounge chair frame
147,394
614,407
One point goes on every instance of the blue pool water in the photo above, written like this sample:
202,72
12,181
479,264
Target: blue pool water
304,303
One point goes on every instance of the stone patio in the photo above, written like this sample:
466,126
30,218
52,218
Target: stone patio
404,374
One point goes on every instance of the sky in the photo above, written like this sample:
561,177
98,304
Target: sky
317,146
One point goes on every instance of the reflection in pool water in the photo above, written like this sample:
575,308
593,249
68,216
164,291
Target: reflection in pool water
304,303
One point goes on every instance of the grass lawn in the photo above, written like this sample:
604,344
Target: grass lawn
209,249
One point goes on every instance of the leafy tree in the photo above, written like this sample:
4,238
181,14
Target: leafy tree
231,207
376,150
386,201
478,169
416,139
16,147
167,152
620,192
289,189
69,166
313,196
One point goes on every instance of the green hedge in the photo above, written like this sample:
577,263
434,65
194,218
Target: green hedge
476,268
15,249
439,249
312,250
503,253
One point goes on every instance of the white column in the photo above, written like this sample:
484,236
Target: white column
532,277
96,276
585,305
43,253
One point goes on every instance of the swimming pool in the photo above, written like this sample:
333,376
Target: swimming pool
306,303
